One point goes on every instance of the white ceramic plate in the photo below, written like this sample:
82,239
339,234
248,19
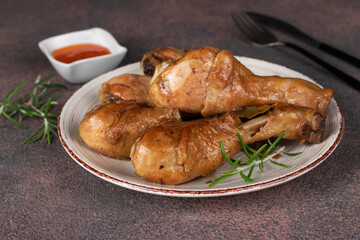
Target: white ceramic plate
122,173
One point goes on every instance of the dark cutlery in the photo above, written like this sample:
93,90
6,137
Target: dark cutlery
289,29
259,36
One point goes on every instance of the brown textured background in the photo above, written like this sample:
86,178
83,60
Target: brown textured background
44,194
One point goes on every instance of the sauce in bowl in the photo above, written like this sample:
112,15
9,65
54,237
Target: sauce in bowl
78,52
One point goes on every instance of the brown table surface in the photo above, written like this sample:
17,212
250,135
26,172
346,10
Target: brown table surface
44,194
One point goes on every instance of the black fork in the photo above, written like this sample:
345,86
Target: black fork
259,36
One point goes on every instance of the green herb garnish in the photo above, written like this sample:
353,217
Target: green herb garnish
33,104
255,158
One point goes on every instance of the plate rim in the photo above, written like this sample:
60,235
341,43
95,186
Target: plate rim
209,192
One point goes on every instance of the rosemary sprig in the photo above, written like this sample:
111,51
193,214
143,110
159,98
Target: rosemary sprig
255,158
33,104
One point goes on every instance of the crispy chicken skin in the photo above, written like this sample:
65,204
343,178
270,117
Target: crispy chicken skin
153,58
210,81
126,87
177,152
112,129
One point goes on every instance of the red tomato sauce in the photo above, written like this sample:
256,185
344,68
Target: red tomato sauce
78,52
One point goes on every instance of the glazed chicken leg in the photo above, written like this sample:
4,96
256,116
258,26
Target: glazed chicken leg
176,152
210,81
126,87
155,57
112,129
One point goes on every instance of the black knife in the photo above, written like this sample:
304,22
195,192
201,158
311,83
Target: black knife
293,31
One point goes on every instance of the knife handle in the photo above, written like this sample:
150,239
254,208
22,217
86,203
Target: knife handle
337,72
340,54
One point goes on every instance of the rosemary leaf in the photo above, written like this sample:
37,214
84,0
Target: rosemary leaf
216,181
246,178
39,81
52,85
251,171
12,93
243,146
237,161
292,154
13,120
272,146
280,164
31,139
261,166
53,131
225,155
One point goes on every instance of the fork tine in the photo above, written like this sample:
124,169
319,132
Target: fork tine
246,27
250,22
251,30
243,27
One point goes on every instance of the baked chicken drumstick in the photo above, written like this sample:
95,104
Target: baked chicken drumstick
210,81
176,152
126,87
126,113
155,57
112,128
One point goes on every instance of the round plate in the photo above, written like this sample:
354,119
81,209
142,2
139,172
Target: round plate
122,173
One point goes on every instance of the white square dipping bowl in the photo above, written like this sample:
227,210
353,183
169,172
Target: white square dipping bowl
84,70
